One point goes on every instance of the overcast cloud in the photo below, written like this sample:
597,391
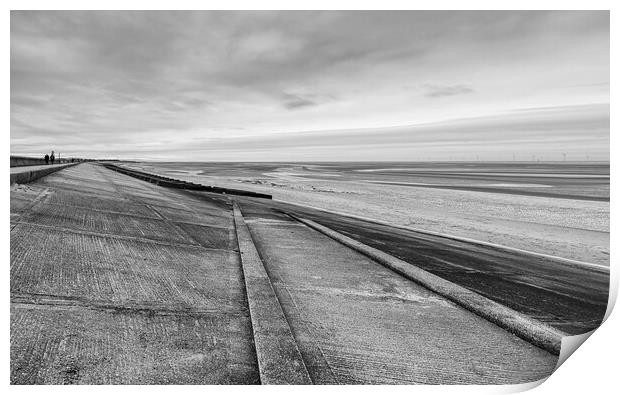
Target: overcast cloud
310,85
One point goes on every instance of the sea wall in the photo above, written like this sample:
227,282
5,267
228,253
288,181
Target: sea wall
174,183
25,161
29,175
17,161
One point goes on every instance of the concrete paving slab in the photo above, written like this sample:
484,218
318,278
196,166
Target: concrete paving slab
83,174
204,203
85,345
19,203
154,200
92,187
211,236
83,219
46,261
370,325
23,197
103,292
207,200
114,205
192,217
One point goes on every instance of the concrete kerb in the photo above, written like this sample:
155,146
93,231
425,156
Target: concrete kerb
26,176
535,332
279,359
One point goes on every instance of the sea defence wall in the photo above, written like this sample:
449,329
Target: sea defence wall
25,161
18,161
179,184
26,174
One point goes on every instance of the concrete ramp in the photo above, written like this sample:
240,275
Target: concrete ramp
357,322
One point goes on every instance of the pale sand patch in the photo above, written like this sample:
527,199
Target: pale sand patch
516,185
508,185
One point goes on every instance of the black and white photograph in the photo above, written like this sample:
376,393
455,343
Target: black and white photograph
299,197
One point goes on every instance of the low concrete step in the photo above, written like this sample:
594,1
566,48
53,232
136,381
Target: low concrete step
279,359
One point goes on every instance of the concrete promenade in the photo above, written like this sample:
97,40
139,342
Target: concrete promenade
116,280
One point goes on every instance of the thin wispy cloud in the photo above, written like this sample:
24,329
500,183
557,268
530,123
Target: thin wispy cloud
446,90
189,85
293,102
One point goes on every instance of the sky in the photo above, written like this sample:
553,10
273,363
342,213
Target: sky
311,86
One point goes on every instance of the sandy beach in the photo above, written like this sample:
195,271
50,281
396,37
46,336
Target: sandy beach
569,228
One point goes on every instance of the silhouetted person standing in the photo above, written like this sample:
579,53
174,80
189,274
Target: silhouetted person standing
52,157
47,159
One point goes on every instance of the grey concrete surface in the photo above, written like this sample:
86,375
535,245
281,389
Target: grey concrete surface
356,321
110,284
118,281
521,325
279,359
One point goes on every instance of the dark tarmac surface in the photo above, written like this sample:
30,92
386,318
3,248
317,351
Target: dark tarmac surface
569,298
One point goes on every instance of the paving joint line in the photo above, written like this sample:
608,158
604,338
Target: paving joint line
35,299
179,230
103,211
